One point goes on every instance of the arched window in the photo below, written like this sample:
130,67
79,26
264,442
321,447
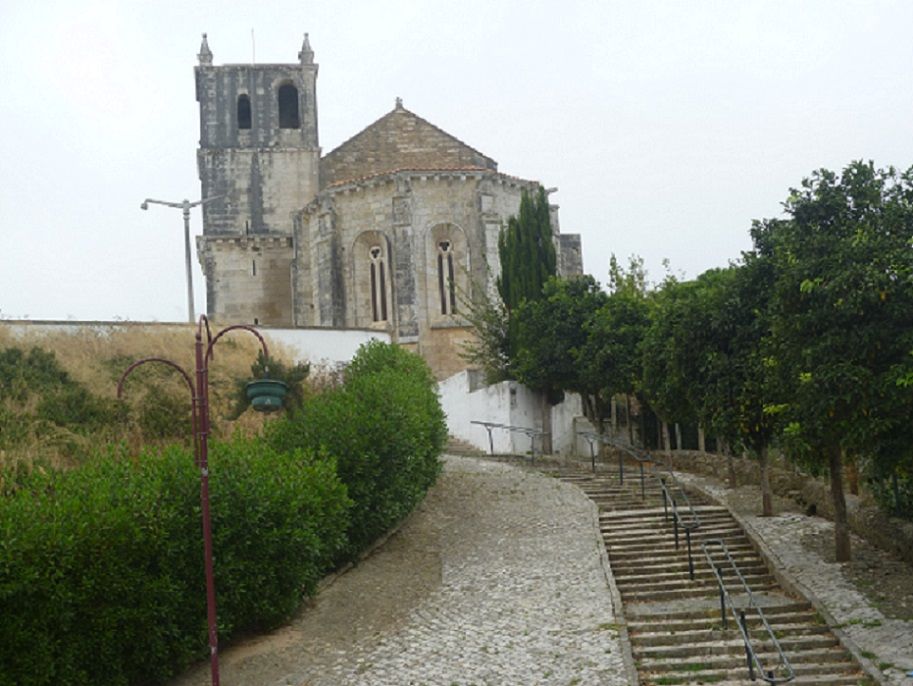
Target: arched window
243,112
288,107
445,281
378,284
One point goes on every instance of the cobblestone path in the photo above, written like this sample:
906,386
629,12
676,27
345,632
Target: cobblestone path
498,578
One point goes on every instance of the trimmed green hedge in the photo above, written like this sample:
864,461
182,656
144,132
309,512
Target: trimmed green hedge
386,428
101,567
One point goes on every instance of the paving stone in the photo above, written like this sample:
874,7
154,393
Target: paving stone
519,597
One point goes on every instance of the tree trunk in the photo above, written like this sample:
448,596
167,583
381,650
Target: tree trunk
701,440
678,436
723,447
546,425
841,525
767,506
614,416
630,420
852,474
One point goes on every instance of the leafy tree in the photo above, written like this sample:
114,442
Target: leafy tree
611,357
840,317
552,334
670,353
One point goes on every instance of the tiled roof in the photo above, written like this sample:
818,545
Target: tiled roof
400,140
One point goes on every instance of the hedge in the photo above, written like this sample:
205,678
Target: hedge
386,428
101,567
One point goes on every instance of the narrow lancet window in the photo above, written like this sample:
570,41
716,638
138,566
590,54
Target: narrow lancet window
243,112
445,281
378,285
288,107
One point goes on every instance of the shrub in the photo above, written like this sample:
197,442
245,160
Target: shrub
101,567
386,429
162,414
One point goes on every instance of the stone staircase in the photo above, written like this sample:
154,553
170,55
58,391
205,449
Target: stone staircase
674,622
456,446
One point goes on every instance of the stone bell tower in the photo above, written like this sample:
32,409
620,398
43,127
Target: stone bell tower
259,154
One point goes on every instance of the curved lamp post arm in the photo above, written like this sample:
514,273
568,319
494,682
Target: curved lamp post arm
193,396
202,323
162,360
234,327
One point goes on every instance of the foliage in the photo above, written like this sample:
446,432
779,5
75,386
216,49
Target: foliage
24,373
490,348
841,309
668,353
526,251
385,428
101,570
162,414
611,357
552,334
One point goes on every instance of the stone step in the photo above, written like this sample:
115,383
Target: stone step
691,592
633,583
674,622
731,642
739,552
661,637
802,621
824,658
771,611
660,537
826,673
634,575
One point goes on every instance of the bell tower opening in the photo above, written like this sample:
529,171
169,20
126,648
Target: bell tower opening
288,107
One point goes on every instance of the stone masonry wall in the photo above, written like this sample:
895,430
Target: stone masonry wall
248,279
398,140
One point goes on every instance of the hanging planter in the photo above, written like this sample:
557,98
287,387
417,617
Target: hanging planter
266,395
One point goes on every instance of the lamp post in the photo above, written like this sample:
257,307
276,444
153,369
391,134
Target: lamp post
199,393
184,205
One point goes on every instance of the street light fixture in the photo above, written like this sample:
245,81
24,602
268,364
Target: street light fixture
184,205
265,395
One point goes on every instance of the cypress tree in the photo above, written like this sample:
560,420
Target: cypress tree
527,251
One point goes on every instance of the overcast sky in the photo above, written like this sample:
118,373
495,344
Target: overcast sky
667,126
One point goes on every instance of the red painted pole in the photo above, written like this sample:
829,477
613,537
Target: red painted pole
202,399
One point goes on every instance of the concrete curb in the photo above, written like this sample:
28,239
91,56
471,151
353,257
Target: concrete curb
627,655
797,588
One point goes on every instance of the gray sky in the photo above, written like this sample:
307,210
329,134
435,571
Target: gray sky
667,126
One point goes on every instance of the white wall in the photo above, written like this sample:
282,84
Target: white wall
321,347
504,403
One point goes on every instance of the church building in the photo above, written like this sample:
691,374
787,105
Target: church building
391,230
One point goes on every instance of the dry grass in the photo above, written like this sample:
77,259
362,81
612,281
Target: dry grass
97,359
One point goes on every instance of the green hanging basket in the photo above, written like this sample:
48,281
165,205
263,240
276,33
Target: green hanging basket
266,395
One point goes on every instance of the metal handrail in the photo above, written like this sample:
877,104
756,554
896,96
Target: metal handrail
531,433
783,666
641,460
693,522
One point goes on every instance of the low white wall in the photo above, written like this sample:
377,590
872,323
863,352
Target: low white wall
324,347
463,406
504,403
320,347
